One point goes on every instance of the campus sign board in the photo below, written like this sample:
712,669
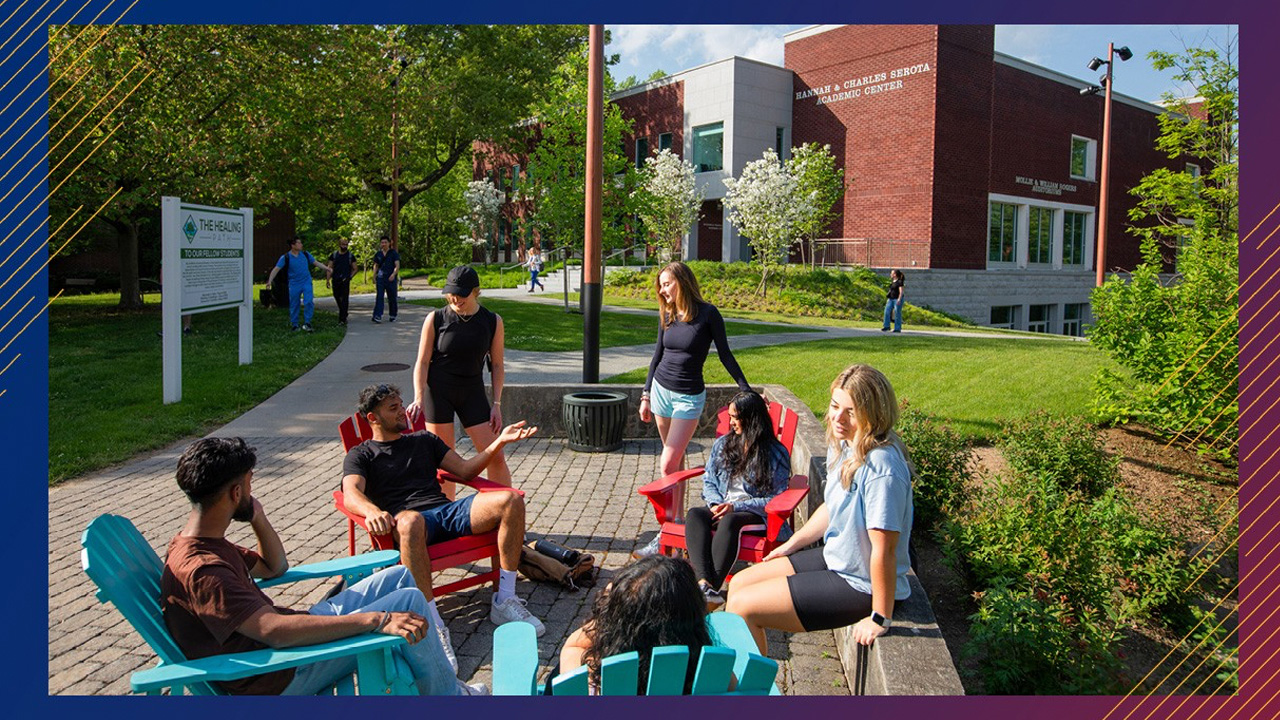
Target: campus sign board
206,264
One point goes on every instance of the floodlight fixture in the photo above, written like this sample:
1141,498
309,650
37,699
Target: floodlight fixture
1124,52
1096,63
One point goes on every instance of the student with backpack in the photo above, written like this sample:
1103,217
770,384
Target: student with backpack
297,272
457,342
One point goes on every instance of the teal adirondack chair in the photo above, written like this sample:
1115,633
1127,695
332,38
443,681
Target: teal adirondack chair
127,572
515,665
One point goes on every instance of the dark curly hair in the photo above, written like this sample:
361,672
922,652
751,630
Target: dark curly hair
373,395
210,464
652,602
750,455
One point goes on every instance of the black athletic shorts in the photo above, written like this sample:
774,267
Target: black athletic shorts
468,402
822,598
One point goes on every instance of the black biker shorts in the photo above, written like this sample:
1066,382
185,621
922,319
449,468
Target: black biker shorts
822,598
468,402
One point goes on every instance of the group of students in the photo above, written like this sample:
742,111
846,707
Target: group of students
853,578
338,272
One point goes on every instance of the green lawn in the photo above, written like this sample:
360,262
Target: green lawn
548,328
105,403
972,383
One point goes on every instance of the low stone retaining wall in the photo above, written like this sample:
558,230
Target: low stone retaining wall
911,659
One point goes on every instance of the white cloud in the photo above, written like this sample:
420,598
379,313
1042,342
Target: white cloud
644,48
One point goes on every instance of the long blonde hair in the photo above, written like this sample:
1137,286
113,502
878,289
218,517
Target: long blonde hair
687,298
875,409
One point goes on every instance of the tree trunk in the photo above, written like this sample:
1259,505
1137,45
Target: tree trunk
127,249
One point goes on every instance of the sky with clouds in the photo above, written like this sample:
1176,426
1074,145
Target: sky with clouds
1065,48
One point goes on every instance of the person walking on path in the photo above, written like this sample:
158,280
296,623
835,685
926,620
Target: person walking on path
457,342
534,263
860,570
687,326
386,275
297,272
893,301
342,267
212,606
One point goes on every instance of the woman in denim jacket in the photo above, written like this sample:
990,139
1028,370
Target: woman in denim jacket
748,467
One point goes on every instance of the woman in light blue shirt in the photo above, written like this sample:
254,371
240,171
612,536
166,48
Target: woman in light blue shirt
860,570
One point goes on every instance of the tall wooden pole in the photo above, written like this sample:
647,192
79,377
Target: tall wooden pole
592,290
1100,262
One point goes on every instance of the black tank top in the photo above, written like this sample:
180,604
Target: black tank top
461,346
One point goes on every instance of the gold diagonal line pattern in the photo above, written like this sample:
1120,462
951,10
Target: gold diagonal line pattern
6,20
105,95
97,40
1182,682
1167,655
34,29
1227,525
33,254
57,252
24,24
11,362
37,207
42,47
70,20
35,122
33,319
16,163
1260,222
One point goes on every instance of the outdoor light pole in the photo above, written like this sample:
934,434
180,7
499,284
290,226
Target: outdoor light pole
1104,175
395,160
592,291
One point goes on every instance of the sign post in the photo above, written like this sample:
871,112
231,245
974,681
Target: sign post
205,264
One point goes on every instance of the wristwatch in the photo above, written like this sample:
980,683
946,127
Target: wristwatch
881,620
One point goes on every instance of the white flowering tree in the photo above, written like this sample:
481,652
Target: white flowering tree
765,204
821,183
668,199
483,203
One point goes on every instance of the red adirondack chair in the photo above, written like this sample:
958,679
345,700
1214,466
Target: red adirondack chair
666,494
452,553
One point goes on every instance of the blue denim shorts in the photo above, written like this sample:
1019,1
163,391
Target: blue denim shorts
449,521
678,406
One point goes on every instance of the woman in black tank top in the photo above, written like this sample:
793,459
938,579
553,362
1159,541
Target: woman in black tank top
458,341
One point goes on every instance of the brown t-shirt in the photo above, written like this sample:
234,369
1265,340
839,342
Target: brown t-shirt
206,593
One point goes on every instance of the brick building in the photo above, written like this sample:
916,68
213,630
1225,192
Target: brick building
974,172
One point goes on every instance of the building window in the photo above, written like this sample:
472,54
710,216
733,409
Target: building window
1193,170
1084,158
515,178
1073,229
780,143
708,147
1073,318
642,151
1040,236
1039,317
1002,233
1004,316
664,141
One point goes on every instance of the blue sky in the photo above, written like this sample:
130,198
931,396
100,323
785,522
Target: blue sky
1064,48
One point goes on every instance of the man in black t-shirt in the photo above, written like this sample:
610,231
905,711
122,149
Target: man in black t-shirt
342,267
391,480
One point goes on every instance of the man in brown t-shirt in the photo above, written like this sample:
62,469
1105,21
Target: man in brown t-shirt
212,605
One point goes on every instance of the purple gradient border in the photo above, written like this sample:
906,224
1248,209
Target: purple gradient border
26,382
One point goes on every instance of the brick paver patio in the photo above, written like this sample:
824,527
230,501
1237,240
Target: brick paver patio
584,501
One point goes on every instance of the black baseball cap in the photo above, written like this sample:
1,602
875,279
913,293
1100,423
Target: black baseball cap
461,281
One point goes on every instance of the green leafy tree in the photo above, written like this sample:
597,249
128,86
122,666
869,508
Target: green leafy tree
817,178
553,190
1177,340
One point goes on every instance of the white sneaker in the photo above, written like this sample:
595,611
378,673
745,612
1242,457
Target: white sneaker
476,689
513,610
653,547
447,643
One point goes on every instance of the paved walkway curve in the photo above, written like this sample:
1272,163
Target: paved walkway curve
92,649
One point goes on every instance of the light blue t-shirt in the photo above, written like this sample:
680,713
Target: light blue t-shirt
879,498
299,269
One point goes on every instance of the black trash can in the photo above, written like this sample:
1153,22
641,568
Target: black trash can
594,420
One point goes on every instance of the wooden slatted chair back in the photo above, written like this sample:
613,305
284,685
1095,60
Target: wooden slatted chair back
784,423
127,572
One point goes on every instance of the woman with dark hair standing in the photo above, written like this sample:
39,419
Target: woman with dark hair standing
893,301
457,342
650,603
748,467
674,392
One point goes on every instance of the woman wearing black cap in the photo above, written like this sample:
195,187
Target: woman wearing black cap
448,378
